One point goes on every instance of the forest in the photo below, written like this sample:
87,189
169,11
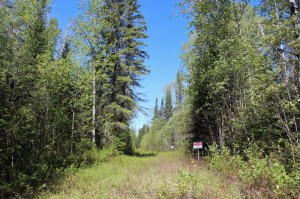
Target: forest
66,94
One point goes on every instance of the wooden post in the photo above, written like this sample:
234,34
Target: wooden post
198,156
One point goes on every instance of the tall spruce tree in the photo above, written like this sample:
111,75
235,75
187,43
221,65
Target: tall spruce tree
162,109
115,36
123,35
156,110
45,97
168,109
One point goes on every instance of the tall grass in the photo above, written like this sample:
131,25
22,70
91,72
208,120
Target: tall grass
166,175
260,177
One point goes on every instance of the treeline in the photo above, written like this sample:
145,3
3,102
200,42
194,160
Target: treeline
61,95
244,86
243,90
243,76
170,121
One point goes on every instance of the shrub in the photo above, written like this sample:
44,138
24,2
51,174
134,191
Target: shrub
264,175
95,155
186,181
221,160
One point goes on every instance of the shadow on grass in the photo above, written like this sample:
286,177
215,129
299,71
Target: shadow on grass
144,154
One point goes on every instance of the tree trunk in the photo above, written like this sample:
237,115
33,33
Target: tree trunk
73,128
294,11
94,106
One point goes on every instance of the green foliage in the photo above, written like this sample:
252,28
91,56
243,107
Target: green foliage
144,130
164,192
151,140
156,111
260,177
136,177
110,37
46,122
243,74
95,156
186,181
161,110
179,90
164,134
222,161
37,138
168,108
170,127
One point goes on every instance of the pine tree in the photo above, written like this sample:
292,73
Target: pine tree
114,31
162,109
168,109
156,111
45,96
127,61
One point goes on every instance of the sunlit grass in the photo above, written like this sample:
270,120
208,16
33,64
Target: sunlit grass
167,175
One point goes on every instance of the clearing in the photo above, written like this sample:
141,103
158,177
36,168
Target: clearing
166,175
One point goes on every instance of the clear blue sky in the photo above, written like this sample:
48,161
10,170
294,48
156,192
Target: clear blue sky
166,32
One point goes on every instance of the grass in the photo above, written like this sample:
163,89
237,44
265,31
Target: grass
166,175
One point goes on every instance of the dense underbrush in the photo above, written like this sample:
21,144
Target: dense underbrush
260,177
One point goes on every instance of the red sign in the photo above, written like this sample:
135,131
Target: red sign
198,145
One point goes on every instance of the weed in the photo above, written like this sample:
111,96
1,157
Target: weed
261,177
167,175
185,181
164,191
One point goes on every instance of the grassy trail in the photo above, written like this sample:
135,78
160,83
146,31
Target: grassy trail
167,175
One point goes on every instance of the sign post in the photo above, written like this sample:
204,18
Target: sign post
198,146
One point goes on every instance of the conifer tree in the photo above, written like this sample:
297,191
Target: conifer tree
168,109
114,31
156,111
126,57
45,95
162,109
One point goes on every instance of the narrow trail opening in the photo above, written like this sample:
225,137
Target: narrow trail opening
166,175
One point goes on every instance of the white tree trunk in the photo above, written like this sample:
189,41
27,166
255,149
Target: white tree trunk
94,106
73,127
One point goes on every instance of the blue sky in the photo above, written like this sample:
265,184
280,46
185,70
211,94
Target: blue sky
167,33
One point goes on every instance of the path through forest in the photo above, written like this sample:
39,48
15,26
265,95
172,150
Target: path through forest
166,175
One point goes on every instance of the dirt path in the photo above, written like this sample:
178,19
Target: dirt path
167,175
